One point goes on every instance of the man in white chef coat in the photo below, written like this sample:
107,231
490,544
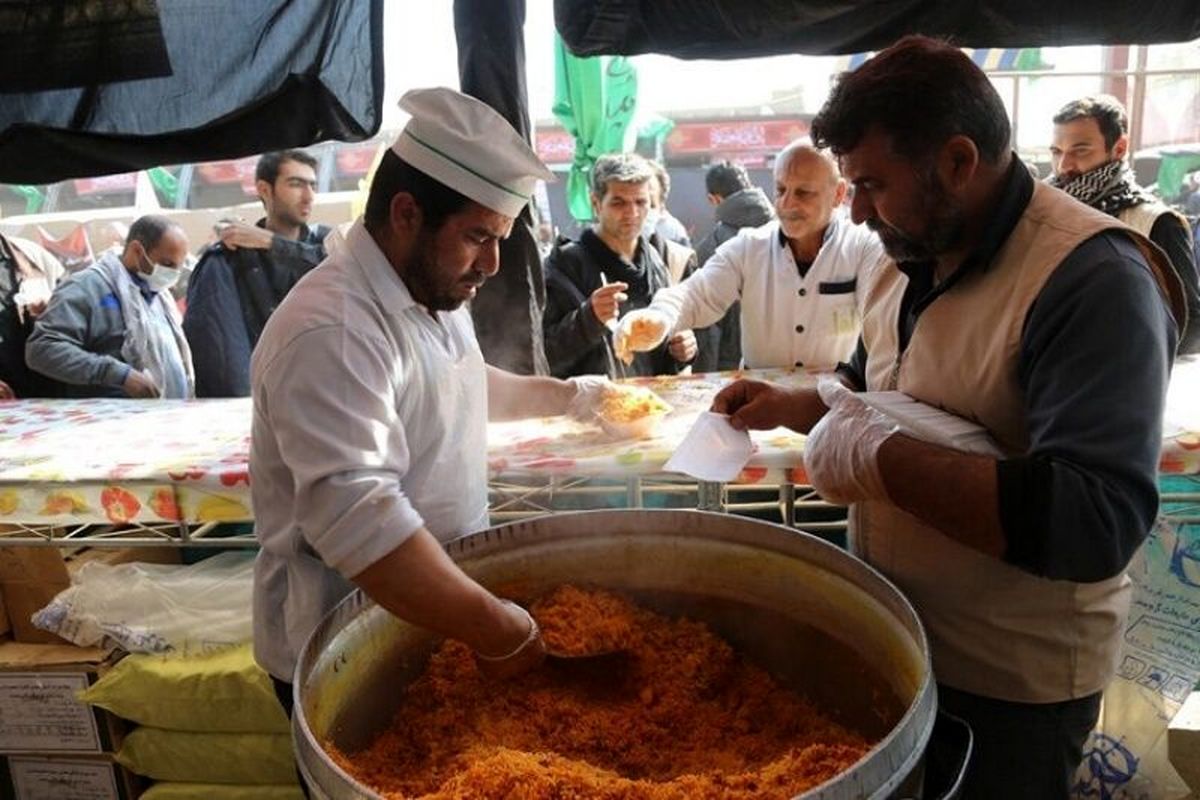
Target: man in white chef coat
371,399
800,278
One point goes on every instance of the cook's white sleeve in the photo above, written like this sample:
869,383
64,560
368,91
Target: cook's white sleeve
330,401
704,297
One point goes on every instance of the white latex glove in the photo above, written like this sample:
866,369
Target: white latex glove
589,394
639,331
841,453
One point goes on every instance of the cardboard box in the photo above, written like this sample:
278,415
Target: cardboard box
43,776
4,625
39,712
30,577
1183,742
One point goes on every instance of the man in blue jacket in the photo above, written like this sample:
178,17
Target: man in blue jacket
240,281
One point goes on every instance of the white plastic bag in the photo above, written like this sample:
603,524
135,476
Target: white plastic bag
154,608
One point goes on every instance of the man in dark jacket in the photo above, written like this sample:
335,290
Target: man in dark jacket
739,204
239,281
612,264
1089,158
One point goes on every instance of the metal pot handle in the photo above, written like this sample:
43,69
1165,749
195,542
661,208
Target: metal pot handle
946,758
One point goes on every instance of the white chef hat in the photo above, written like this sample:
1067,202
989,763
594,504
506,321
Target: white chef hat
466,145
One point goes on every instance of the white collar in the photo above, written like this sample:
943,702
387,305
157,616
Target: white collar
394,297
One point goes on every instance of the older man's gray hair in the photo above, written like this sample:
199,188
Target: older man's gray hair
619,168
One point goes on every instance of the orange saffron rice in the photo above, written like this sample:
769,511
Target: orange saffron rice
693,721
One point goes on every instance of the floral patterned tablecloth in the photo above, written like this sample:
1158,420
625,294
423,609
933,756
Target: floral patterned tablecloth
116,461
560,446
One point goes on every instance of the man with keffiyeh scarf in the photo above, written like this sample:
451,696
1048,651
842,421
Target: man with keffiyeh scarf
1091,140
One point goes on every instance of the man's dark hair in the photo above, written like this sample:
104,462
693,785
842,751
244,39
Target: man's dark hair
919,92
726,178
436,200
149,230
269,165
1107,110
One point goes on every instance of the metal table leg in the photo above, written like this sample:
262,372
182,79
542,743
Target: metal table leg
711,496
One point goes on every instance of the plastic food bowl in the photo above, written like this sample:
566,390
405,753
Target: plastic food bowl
641,426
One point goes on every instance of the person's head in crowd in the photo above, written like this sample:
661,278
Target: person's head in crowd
622,185
923,138
660,188
156,251
446,193
725,179
286,182
808,188
1089,133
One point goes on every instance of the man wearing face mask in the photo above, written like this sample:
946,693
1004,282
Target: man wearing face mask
112,329
1091,142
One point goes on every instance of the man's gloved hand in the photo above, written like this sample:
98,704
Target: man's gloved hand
589,394
639,331
527,655
841,453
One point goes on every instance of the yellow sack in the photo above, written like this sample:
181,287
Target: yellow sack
221,691
245,758
218,791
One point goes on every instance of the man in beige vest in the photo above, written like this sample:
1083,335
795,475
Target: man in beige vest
1091,141
999,306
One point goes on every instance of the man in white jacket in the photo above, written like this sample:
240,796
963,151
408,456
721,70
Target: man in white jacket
799,278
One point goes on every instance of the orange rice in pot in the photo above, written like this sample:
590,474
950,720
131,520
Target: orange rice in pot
693,720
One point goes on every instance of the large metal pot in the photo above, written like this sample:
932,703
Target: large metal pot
817,618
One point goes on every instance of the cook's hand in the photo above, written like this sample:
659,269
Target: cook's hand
841,453
522,657
683,347
754,405
139,384
589,394
6,392
239,234
606,301
639,331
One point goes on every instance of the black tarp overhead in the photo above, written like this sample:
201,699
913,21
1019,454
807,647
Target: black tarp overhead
244,78
491,66
746,28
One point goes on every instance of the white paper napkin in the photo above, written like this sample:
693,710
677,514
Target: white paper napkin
712,450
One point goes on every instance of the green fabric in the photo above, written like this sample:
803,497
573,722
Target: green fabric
225,691
164,183
594,99
1030,58
240,758
34,197
1172,170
